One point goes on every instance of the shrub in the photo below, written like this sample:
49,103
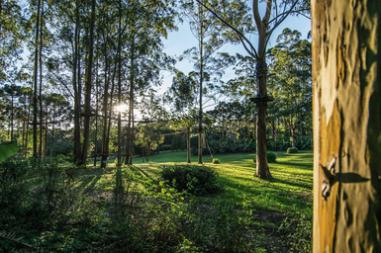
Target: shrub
198,180
216,161
271,157
292,150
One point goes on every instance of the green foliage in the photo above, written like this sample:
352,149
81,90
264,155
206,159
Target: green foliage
7,150
297,233
198,180
292,150
271,157
187,246
216,161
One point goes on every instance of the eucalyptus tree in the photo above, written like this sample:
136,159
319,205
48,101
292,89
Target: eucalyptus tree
347,125
240,20
11,35
108,29
35,76
147,23
10,93
204,29
64,67
182,95
290,80
88,81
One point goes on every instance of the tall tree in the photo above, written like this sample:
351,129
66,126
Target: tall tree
203,27
145,54
237,18
88,84
290,81
347,125
35,78
182,94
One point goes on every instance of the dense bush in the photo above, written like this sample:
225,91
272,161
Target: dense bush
216,161
292,150
197,180
271,157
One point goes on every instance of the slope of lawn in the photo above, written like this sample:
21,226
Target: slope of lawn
7,150
275,215
61,208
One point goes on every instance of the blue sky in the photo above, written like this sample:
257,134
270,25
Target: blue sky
182,39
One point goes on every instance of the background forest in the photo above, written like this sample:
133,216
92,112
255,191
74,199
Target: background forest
98,149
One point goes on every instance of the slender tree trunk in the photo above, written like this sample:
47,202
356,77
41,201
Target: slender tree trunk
27,131
347,125
293,136
12,116
76,88
105,108
41,111
188,145
109,116
130,124
96,114
262,168
35,77
89,72
200,112
119,155
46,135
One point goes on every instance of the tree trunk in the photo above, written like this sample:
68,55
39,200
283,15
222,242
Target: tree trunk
119,57
262,168
201,48
89,72
293,136
347,125
105,109
35,79
12,116
41,116
130,124
77,93
96,114
188,145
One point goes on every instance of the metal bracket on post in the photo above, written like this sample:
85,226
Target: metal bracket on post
330,177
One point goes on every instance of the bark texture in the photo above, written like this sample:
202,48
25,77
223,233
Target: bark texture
347,125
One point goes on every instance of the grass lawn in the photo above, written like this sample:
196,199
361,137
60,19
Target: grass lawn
7,150
132,210
276,214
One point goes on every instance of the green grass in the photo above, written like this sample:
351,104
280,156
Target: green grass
249,215
7,150
289,190
262,206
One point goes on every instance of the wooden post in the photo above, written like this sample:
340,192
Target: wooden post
347,125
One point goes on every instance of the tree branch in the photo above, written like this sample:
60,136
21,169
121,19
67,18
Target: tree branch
242,37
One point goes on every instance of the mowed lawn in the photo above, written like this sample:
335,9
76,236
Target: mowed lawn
276,213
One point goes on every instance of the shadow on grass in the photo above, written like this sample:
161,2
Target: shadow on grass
298,165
